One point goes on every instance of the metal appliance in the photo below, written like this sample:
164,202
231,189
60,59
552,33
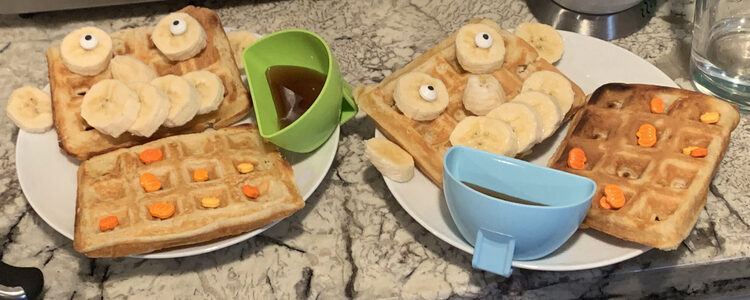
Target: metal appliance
604,19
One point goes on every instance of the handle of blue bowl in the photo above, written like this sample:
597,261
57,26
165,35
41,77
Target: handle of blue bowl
348,106
493,252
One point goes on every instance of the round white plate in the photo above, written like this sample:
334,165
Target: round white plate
590,63
48,179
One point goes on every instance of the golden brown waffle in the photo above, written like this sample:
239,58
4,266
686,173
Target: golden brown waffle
109,184
67,88
664,188
427,141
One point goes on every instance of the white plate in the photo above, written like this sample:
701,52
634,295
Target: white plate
48,179
590,63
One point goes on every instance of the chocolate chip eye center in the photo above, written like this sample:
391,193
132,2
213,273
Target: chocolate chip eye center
176,22
429,87
87,37
486,36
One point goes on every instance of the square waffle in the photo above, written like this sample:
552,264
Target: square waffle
108,184
67,88
427,141
664,188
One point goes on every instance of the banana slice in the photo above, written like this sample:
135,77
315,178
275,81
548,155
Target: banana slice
129,69
482,94
525,121
110,107
31,109
210,87
184,99
154,109
551,83
491,135
390,159
179,36
420,96
545,39
546,107
479,48
86,51
239,40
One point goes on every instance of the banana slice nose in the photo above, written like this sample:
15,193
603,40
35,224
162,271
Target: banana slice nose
480,49
179,36
420,97
482,94
86,51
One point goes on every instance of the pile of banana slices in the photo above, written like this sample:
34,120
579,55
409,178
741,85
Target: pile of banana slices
509,127
140,107
135,100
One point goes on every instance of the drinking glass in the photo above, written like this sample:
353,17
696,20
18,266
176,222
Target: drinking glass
720,56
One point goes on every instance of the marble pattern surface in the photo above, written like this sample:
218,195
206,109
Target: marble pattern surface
353,240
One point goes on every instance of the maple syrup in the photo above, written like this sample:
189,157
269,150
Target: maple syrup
501,196
294,89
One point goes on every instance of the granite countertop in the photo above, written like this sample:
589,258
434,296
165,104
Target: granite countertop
353,239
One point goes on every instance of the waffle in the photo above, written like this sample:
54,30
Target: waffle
67,88
108,184
665,189
427,141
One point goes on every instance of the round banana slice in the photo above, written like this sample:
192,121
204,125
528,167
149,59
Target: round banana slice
479,48
86,51
179,36
545,106
545,39
392,161
551,83
30,109
420,96
491,135
239,40
210,87
129,69
154,109
525,121
184,99
110,107
483,93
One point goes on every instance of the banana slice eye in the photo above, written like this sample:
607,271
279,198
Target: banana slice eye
427,92
178,26
483,40
476,49
89,41
179,36
86,51
420,97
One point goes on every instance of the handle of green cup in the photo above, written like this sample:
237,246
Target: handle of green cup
348,106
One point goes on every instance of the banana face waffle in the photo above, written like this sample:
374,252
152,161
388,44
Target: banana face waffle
664,188
68,88
108,185
427,141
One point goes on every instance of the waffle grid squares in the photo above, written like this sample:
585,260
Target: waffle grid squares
664,188
96,200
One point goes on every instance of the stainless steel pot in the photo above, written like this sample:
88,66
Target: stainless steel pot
600,7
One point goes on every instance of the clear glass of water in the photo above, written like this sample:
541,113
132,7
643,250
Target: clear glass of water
720,57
